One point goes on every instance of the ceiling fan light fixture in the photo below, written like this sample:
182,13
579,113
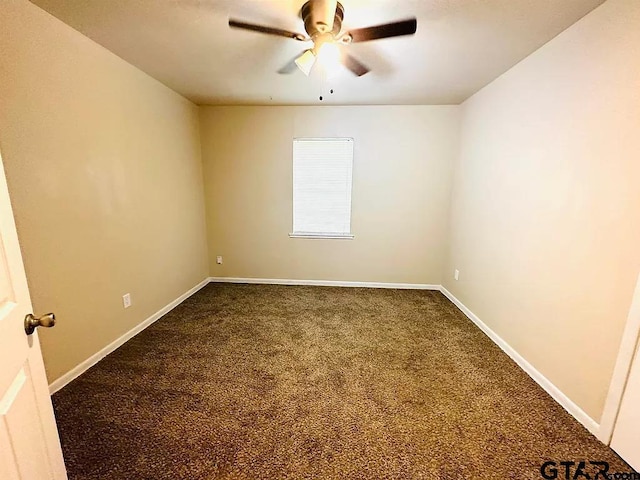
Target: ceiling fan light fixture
306,61
329,56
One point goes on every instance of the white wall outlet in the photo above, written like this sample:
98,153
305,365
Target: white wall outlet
126,300
456,273
219,259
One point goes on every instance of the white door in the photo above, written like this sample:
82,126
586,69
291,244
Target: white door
626,434
29,443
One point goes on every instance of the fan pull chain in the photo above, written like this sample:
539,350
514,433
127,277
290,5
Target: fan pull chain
322,97
325,87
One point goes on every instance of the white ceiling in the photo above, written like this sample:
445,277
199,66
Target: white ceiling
460,46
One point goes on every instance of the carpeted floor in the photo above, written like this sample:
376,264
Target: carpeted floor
278,382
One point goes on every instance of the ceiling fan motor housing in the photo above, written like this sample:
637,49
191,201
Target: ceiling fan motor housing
317,21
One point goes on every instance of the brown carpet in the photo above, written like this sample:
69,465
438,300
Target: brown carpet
278,382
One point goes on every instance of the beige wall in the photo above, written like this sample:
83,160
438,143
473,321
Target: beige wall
546,202
103,165
400,203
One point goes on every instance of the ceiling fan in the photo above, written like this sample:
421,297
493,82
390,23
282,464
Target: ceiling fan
323,23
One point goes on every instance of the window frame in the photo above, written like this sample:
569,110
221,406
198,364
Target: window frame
322,235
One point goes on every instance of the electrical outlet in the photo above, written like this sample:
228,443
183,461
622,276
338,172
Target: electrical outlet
219,259
126,300
456,274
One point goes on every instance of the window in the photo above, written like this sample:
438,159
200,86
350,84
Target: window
322,187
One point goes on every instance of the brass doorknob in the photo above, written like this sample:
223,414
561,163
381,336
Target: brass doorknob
31,322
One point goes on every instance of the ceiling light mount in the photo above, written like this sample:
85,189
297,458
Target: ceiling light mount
322,17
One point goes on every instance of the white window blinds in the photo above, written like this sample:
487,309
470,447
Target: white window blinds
322,169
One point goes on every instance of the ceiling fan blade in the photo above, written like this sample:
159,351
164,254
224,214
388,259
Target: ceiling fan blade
395,29
354,65
291,66
306,61
269,30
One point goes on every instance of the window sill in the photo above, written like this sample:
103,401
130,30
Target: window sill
338,236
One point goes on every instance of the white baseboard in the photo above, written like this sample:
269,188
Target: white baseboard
539,378
564,401
95,358
324,283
